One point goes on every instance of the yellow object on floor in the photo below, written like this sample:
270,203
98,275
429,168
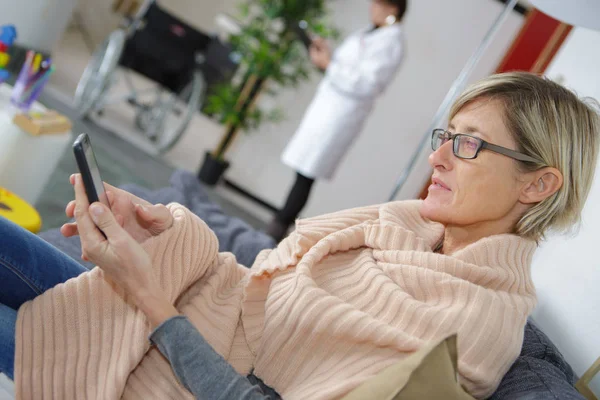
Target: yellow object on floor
17,210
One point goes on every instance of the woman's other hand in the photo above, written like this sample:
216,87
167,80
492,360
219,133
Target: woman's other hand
320,53
139,218
120,256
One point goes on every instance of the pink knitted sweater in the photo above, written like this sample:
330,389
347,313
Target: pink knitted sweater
343,297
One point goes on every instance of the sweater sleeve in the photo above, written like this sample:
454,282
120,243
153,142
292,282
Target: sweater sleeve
198,366
183,253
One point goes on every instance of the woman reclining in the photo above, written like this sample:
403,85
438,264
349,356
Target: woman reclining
343,297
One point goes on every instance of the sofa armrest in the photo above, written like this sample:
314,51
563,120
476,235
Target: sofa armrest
582,384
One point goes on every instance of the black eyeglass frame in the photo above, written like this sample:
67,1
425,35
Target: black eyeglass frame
482,145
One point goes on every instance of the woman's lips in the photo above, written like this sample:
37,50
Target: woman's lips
438,184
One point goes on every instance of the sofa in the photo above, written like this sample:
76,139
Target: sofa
539,373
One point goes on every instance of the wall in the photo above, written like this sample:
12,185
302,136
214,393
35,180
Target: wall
39,24
566,269
441,36
99,20
96,17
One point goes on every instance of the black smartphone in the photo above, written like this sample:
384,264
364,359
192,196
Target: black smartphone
90,173
301,33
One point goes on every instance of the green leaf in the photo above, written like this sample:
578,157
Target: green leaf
244,9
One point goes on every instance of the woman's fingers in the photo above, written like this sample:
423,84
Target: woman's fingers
106,221
110,195
70,209
119,193
157,217
90,235
152,213
120,220
69,229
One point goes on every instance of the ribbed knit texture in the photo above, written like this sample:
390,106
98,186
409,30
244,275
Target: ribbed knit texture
343,297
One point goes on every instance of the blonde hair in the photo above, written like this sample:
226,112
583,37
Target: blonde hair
551,124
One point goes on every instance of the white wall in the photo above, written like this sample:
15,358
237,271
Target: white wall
441,35
39,23
99,20
566,269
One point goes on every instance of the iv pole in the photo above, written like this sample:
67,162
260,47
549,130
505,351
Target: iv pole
456,88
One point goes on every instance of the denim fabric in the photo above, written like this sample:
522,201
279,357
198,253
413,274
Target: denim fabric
8,321
28,267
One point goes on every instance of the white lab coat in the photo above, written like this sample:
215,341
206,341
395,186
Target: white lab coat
360,70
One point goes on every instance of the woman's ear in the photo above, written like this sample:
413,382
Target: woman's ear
540,185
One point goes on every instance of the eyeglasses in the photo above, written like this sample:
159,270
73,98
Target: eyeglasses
468,147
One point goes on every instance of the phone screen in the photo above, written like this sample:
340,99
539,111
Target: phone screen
95,172
301,33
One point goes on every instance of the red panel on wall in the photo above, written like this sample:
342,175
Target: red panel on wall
533,41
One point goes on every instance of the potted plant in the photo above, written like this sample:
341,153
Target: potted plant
270,55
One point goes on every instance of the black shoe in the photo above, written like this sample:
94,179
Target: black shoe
277,229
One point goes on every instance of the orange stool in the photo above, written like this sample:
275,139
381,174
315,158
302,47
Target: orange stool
17,210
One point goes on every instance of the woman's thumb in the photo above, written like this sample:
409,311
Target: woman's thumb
158,216
105,220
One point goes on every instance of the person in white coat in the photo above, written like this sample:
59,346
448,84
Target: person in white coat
357,73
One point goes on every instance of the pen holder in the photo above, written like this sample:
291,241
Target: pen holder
29,84
23,97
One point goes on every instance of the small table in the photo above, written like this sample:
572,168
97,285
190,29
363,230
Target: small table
27,161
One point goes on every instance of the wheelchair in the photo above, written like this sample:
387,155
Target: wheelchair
183,63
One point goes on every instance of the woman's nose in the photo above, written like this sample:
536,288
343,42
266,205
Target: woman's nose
442,157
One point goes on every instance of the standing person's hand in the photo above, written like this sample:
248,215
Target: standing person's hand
320,53
138,217
120,256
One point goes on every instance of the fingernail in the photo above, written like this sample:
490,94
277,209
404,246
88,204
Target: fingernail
144,208
96,210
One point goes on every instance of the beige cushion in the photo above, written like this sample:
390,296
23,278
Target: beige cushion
430,373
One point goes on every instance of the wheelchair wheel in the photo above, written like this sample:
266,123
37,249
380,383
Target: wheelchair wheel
165,121
98,74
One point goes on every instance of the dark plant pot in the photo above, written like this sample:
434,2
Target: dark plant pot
212,169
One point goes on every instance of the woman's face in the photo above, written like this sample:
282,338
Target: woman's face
380,10
478,191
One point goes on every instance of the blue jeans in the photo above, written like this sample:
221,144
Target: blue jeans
28,267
